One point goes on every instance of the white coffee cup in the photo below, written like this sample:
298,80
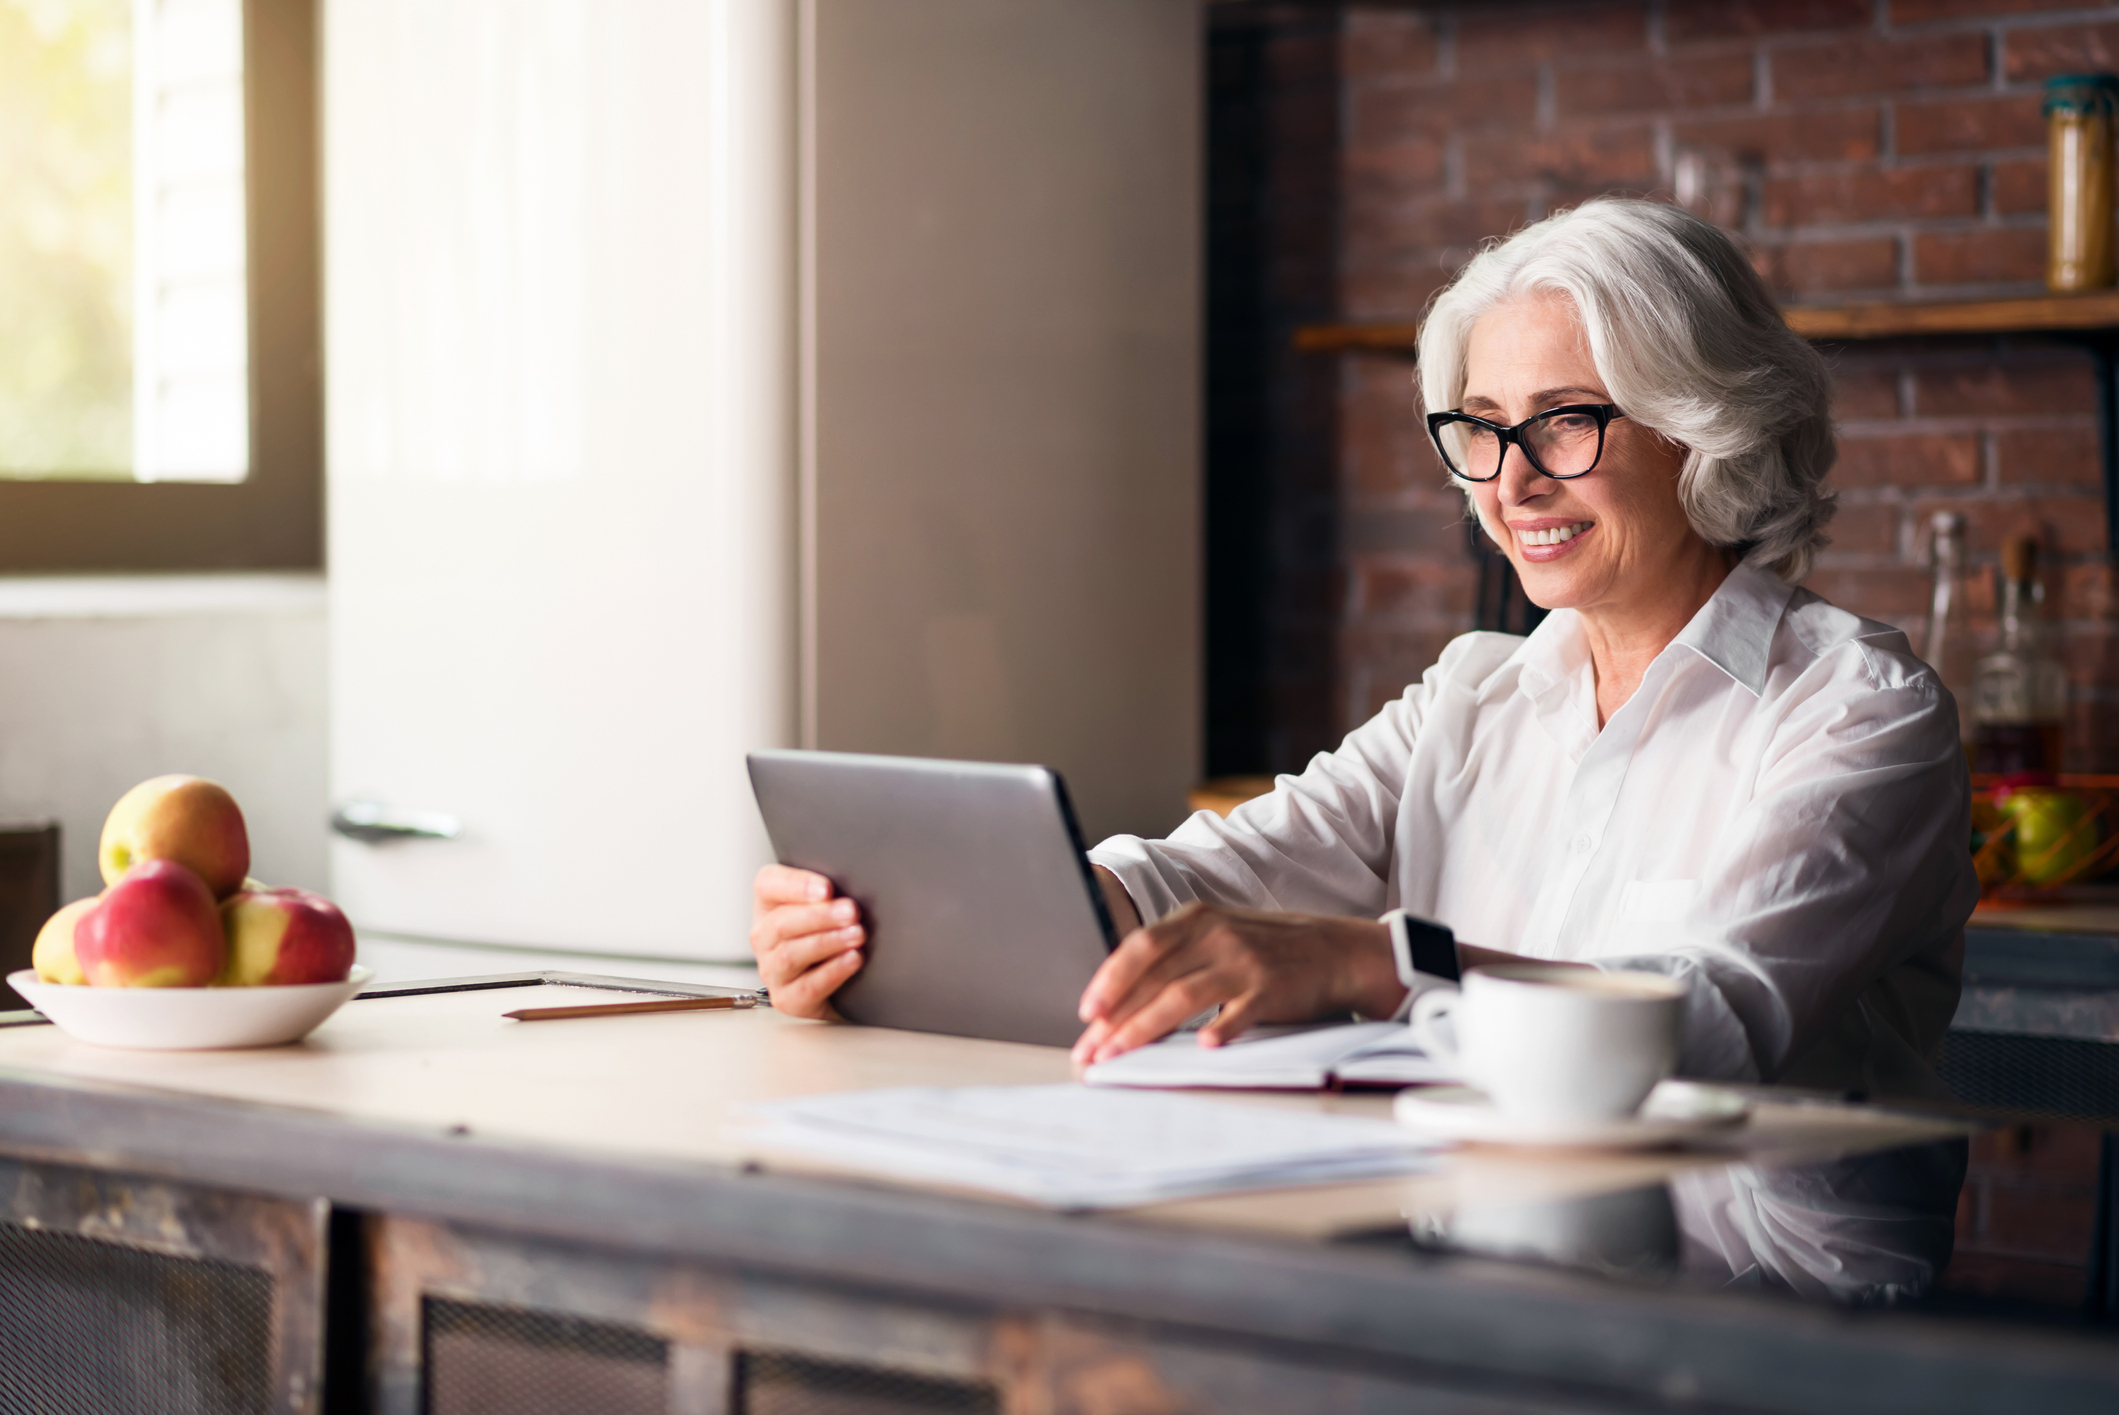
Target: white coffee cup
1547,1042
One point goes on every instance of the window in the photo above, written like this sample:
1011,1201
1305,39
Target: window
159,385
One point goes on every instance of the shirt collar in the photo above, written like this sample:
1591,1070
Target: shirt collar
1734,628
1733,631
1553,671
1554,654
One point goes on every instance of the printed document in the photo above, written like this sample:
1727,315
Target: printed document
1073,1147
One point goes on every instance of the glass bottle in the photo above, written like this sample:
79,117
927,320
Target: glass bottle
1949,649
2019,692
2078,116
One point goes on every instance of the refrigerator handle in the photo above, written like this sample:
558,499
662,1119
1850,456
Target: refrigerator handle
375,823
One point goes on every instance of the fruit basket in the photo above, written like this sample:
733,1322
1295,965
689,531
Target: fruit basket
2034,833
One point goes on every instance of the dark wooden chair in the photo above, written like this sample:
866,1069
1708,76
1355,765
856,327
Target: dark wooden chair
29,892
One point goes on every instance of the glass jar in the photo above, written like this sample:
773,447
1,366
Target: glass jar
2078,115
2019,692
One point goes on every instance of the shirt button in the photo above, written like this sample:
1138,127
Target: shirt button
1581,845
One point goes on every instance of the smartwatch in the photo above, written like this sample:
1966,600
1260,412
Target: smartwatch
1418,946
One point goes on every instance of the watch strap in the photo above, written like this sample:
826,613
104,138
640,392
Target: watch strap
1421,946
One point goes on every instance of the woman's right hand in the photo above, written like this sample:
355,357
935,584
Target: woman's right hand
806,942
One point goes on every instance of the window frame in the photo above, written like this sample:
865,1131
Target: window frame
274,518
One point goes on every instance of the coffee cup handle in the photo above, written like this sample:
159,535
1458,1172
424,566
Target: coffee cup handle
1429,1008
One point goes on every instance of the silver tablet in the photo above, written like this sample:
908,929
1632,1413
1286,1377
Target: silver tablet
983,917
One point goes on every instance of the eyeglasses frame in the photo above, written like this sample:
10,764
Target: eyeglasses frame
1604,413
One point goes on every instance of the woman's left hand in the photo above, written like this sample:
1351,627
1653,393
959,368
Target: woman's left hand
1258,966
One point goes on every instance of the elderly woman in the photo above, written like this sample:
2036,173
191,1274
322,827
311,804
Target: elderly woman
1691,767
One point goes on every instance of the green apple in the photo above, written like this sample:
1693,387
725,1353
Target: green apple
2055,835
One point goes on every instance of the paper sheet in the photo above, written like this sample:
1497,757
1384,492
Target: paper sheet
1077,1148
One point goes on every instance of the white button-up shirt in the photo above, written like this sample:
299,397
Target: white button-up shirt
1779,816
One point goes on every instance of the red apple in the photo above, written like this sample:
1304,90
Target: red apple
53,956
155,928
188,819
285,936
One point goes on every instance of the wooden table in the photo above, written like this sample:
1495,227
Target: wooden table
457,1212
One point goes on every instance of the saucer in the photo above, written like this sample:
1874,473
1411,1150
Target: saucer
1674,1111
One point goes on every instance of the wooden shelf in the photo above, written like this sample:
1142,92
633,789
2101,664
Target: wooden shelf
2097,309
1397,339
1879,320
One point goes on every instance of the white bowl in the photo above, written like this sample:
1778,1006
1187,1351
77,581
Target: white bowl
187,1019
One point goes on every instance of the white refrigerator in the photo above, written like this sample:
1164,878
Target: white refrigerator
712,374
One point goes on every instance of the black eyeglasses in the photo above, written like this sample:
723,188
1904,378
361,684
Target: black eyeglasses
1559,442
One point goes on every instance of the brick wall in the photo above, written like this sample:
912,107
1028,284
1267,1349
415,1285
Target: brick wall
1864,149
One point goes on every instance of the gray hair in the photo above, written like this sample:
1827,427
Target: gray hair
1690,344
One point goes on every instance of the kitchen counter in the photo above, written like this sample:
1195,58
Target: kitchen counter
466,1183
2043,971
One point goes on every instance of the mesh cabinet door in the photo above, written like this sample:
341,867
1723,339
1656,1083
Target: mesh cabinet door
87,1325
485,1359
489,1360
2061,1077
784,1383
121,1293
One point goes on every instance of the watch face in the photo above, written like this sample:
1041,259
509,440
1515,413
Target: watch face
1429,948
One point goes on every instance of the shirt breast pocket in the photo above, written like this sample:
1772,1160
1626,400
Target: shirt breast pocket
1657,901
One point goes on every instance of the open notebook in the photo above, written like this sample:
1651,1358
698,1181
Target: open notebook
1279,1059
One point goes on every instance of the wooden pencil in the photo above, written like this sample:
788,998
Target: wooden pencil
620,1009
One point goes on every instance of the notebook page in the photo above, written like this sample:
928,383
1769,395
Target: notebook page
1393,1060
1264,1058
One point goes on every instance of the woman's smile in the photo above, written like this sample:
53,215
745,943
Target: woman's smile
1548,538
